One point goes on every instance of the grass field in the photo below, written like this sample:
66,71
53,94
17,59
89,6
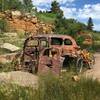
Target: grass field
46,17
53,88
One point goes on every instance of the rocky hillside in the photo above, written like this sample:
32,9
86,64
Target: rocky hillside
25,23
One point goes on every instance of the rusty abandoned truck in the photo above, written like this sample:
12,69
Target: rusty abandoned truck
43,53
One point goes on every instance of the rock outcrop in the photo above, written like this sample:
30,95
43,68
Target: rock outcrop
25,23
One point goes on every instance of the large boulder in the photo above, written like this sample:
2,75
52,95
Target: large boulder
16,14
19,78
10,47
34,20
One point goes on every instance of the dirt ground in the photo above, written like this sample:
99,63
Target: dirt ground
95,72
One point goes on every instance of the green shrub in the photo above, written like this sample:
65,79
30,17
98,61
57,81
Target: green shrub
6,67
80,40
3,25
46,17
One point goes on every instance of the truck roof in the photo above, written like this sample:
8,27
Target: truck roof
54,35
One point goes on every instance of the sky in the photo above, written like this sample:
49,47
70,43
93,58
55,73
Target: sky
77,9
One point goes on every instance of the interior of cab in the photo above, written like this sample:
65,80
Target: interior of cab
67,42
56,41
60,41
43,43
32,43
50,52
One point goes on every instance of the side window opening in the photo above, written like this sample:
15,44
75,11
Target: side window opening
50,52
67,42
32,43
46,52
56,41
43,43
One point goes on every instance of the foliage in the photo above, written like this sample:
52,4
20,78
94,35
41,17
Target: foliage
6,67
3,25
90,24
28,5
10,4
14,4
74,27
46,17
55,8
68,26
63,25
25,5
3,5
80,40
59,24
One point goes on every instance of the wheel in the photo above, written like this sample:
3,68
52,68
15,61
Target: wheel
92,61
16,62
79,65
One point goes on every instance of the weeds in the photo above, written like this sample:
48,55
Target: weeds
54,88
6,67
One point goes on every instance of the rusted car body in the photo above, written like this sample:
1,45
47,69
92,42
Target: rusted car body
43,53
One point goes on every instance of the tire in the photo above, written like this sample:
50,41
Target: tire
92,61
79,65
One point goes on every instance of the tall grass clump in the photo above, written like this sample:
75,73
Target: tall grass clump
15,92
64,88
6,67
3,25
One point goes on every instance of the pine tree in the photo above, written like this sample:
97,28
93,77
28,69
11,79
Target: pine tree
10,4
90,24
55,8
28,5
3,5
14,4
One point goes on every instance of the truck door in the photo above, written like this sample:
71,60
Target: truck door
30,55
50,61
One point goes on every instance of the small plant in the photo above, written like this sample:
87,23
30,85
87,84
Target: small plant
80,40
3,25
6,67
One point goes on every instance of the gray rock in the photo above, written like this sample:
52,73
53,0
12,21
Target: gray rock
19,78
10,47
